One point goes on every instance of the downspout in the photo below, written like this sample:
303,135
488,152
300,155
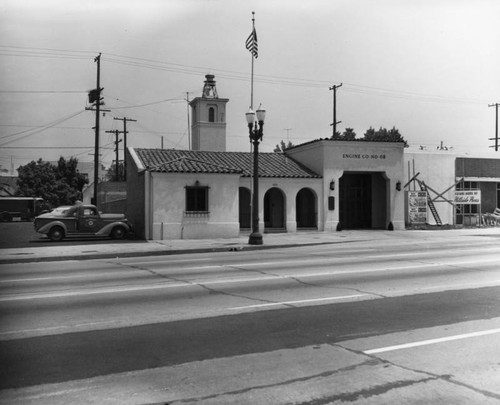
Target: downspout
147,205
150,205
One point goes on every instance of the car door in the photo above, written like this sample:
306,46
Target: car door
89,221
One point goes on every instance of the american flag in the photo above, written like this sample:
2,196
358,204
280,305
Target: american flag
252,45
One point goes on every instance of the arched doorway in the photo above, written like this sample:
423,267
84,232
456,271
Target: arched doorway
274,210
363,200
305,209
245,210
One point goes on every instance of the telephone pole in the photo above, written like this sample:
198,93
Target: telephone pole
117,172
496,126
124,132
335,122
189,125
287,133
96,100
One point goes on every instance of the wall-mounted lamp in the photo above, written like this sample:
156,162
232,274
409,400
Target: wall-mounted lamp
398,186
332,185
197,183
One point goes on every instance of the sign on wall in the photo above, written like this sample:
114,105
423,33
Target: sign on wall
468,197
417,207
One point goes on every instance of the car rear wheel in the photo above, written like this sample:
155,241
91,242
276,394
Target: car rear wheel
118,232
56,234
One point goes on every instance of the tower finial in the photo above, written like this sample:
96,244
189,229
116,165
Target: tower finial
209,89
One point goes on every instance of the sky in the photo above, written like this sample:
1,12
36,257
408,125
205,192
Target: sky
430,68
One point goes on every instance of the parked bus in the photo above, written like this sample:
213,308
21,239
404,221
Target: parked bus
21,208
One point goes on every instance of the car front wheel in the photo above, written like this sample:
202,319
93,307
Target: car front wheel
56,234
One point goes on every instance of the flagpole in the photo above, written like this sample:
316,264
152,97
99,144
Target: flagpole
251,53
251,107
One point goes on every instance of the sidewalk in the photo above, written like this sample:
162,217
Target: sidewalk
240,243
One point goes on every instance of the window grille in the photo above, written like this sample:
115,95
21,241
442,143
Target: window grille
196,200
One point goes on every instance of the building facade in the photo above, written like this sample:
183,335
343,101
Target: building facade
447,175
175,194
324,185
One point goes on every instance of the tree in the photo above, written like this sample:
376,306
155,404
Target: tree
111,173
282,146
384,135
58,185
348,135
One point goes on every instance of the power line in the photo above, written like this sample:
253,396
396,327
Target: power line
42,91
47,49
41,129
289,81
234,75
144,105
47,147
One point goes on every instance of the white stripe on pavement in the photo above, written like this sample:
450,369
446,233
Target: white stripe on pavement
270,277
299,301
432,341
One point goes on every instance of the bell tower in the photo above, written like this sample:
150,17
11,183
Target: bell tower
208,112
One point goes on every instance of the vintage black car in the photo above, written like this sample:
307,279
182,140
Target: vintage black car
81,221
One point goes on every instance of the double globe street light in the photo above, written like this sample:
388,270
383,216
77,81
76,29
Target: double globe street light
255,122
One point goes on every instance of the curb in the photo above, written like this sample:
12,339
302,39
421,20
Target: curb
95,256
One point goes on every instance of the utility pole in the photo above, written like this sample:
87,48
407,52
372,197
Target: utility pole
287,133
96,99
124,132
496,126
335,122
116,132
189,125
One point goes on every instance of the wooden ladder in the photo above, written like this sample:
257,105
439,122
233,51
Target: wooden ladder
430,203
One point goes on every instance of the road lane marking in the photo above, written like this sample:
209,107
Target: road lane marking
461,286
230,265
269,277
473,250
432,341
69,277
437,262
61,294
117,290
135,263
299,301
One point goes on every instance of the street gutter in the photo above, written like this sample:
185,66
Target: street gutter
100,255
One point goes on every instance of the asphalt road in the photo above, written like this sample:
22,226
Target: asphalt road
357,323
76,356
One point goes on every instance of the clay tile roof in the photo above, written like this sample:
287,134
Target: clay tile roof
188,161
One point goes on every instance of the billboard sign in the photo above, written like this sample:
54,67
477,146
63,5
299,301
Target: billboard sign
417,207
468,197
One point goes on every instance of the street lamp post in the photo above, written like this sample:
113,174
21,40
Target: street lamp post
255,128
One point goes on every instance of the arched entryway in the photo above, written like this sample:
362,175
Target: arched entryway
245,209
274,210
305,209
363,200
